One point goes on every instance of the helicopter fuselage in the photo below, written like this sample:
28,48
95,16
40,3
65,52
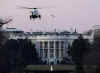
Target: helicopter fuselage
35,16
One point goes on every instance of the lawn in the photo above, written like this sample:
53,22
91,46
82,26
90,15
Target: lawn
48,67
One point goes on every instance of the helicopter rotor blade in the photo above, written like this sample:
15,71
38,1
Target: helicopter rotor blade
29,7
23,7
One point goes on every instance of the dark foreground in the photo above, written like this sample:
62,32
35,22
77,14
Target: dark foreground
49,72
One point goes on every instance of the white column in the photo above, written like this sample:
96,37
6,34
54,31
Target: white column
43,48
48,49
54,49
38,48
65,49
59,49
55,52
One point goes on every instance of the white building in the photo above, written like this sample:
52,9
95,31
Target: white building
52,47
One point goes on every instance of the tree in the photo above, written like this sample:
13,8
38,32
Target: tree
32,52
3,50
12,47
3,22
93,56
21,53
79,47
29,52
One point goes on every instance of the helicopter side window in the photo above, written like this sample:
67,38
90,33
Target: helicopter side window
35,12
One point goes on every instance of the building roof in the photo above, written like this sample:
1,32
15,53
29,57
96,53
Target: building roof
13,30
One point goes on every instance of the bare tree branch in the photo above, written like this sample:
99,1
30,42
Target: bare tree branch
4,22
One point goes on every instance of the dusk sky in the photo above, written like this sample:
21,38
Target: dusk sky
82,14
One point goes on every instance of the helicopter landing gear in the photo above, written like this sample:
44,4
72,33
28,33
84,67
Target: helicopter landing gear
30,17
40,17
35,16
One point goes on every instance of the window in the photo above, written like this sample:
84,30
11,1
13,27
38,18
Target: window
51,50
61,52
51,44
57,53
62,44
41,52
41,44
45,44
51,53
57,44
46,52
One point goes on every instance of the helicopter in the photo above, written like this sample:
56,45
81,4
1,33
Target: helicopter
34,13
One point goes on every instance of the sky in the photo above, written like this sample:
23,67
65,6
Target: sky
69,14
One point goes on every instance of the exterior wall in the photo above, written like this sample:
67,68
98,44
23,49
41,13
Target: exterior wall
52,49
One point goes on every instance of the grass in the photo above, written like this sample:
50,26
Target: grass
48,67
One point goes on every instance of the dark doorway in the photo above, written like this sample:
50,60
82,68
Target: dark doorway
51,63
